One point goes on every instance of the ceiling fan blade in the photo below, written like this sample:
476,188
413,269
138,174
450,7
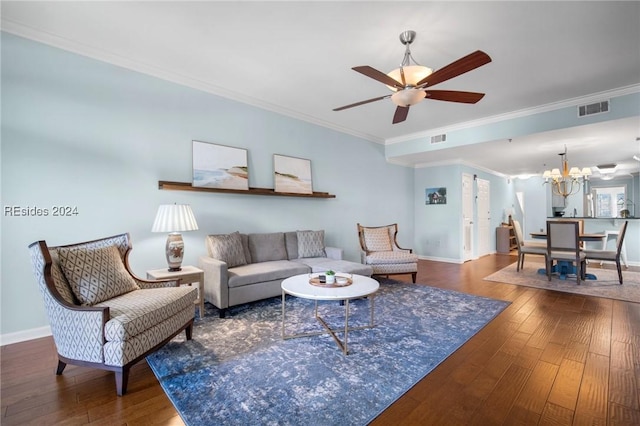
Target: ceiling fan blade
361,103
400,115
456,68
378,75
454,96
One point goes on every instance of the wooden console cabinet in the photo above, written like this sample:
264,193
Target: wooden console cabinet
505,239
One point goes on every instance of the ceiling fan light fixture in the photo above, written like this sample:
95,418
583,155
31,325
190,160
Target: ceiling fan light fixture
412,75
408,97
409,80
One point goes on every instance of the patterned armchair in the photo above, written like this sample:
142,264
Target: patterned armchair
101,314
380,250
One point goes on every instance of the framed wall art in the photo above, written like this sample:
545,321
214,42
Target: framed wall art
435,196
292,175
219,166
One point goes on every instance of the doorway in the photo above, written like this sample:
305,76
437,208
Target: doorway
467,217
484,216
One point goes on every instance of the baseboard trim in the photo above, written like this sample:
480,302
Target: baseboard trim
23,336
441,259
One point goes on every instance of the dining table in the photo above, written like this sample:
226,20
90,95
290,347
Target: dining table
567,267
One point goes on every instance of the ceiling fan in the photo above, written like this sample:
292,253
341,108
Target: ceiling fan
411,83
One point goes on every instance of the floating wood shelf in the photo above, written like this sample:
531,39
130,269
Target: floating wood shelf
186,186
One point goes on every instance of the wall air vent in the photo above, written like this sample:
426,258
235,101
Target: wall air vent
439,138
595,108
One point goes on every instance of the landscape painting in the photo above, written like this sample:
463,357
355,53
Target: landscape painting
292,175
219,166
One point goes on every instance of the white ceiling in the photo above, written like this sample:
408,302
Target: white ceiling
295,58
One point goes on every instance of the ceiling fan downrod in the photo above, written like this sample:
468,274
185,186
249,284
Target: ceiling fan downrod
406,38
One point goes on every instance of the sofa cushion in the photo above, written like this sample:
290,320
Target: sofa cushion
311,244
391,257
265,271
291,243
267,247
377,239
138,311
227,248
245,246
322,264
95,274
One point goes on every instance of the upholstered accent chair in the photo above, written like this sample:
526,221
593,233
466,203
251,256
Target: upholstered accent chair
612,255
526,246
101,314
563,244
380,250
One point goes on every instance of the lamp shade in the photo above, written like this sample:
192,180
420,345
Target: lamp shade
174,218
407,97
412,75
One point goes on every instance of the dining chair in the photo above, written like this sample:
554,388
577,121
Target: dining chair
526,247
563,245
612,255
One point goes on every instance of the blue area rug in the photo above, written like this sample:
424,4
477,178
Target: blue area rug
238,370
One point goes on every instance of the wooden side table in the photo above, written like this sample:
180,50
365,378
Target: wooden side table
188,275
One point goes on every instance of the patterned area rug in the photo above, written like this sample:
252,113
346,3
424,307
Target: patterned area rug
238,370
606,284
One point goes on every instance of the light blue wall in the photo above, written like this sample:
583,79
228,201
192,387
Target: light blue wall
537,204
438,228
83,133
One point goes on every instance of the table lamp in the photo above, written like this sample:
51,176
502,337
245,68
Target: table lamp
174,218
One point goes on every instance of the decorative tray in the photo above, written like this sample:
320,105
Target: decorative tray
315,280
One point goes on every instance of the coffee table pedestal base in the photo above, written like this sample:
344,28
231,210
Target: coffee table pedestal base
342,344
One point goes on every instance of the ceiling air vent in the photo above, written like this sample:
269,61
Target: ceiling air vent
439,138
595,108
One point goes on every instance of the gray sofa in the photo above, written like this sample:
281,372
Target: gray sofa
243,268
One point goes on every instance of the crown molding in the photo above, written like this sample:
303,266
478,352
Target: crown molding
82,49
595,97
457,162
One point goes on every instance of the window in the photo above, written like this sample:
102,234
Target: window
609,200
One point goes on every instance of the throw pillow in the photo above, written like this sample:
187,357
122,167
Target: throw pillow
377,239
95,274
227,248
311,244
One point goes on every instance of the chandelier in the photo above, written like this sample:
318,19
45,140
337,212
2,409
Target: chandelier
566,182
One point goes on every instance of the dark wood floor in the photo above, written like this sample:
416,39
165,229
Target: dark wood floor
549,359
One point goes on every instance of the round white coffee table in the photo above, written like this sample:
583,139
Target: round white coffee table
300,286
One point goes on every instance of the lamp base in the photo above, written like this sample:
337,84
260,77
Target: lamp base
174,251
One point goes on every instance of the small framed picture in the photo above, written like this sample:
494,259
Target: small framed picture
219,166
292,175
435,196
